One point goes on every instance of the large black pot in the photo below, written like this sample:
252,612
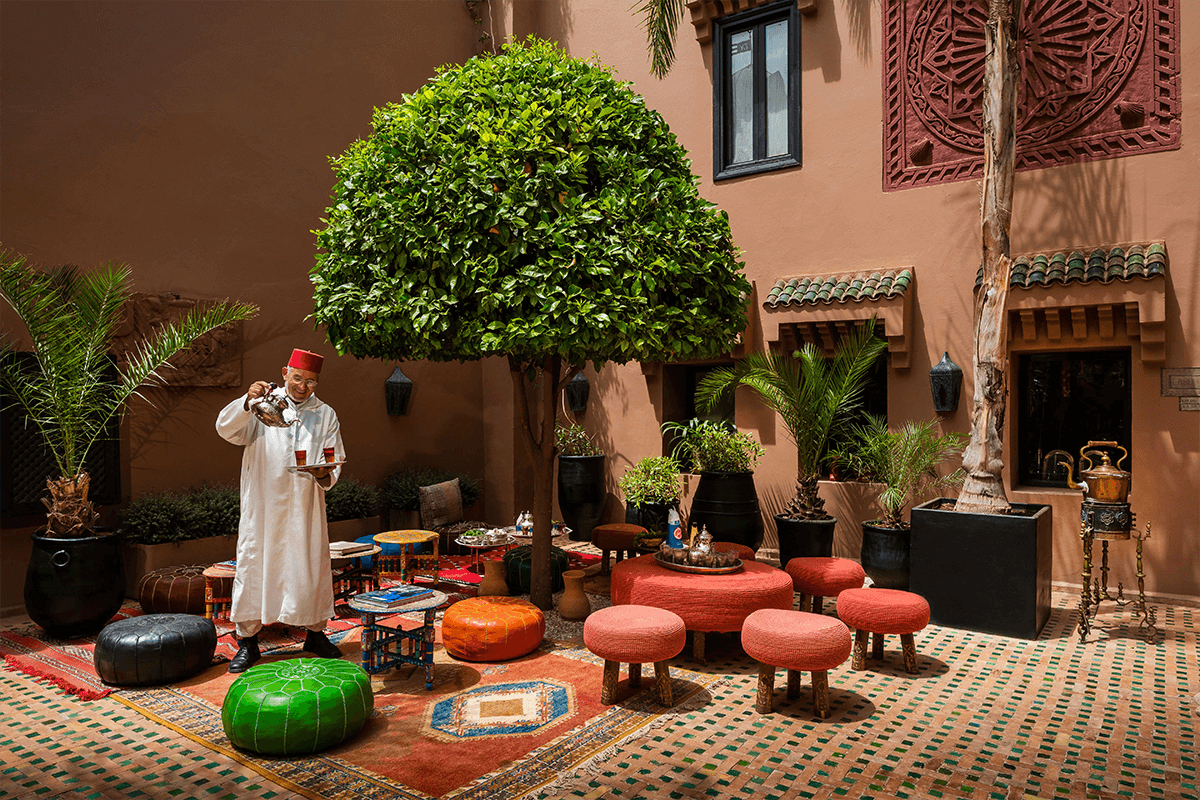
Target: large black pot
581,495
804,538
984,572
727,505
886,555
651,516
74,586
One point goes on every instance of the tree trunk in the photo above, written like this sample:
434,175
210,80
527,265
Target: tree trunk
70,514
983,490
540,448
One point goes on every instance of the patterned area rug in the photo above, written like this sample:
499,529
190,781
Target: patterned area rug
485,732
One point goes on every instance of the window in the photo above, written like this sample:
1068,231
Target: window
679,399
1065,400
756,91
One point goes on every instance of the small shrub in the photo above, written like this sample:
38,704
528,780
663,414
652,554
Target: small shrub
654,479
179,516
713,446
400,490
349,499
573,440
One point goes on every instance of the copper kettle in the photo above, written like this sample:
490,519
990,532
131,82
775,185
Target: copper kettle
1104,483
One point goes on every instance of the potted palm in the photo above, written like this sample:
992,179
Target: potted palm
76,579
725,501
581,495
816,399
651,488
906,462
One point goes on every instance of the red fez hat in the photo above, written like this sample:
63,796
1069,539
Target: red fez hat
303,359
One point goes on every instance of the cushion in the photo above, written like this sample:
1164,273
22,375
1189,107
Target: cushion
156,648
518,564
492,628
173,590
634,634
825,577
616,535
796,639
441,504
883,610
297,706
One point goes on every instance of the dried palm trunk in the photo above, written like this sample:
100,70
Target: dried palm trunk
70,513
983,490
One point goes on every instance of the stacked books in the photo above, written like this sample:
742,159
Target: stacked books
349,548
393,598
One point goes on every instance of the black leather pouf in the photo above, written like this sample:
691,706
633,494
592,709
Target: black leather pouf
156,648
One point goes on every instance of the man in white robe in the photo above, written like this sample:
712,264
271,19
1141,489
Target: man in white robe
283,571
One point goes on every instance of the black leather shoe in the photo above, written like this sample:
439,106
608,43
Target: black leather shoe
317,642
247,654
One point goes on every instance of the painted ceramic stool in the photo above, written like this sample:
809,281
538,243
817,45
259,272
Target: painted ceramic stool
297,706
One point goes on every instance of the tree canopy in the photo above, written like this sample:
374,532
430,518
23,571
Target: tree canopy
530,205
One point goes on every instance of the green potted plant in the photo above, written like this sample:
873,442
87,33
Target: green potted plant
906,462
400,493
75,579
166,529
351,509
725,502
651,487
581,494
816,398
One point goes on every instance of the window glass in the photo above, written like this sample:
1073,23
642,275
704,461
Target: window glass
777,89
741,96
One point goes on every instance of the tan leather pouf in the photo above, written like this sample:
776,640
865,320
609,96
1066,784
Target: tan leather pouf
173,590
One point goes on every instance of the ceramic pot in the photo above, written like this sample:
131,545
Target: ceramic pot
74,586
493,583
886,555
574,603
804,538
581,494
727,504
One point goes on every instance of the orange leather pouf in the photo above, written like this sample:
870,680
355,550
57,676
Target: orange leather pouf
173,590
492,628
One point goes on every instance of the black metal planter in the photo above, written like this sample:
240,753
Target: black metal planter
74,586
804,538
984,572
581,495
886,556
727,504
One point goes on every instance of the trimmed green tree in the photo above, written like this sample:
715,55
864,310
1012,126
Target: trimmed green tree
527,205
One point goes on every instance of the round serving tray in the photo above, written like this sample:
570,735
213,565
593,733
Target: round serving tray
698,570
318,465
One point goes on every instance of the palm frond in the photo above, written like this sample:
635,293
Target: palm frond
661,18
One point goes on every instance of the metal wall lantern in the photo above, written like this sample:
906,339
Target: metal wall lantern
397,389
945,381
577,391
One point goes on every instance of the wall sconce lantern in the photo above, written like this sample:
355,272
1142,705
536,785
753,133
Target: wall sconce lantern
397,389
945,381
577,390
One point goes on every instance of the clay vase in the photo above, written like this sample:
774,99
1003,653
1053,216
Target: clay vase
574,603
493,582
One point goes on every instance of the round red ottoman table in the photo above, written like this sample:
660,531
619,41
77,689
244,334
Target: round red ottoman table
817,577
799,642
744,553
492,628
173,590
619,536
635,635
882,611
705,602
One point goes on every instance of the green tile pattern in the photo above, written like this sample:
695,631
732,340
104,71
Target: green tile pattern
1145,260
839,288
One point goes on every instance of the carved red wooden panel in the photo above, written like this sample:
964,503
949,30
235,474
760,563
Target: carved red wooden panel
1100,79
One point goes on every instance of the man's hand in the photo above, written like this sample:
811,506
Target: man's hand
321,473
257,389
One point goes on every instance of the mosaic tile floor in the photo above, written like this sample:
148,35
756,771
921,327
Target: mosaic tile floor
987,717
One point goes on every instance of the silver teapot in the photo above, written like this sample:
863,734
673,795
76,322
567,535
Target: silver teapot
272,408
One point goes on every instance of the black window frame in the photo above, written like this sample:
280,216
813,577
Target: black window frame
755,20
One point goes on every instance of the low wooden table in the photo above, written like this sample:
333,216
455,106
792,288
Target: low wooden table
408,564
218,590
383,647
354,577
718,603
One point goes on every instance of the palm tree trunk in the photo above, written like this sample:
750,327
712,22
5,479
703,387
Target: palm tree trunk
983,490
70,514
807,504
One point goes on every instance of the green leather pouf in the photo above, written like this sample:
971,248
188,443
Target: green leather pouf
297,707
517,565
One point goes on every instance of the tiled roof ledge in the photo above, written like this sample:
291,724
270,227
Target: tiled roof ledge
854,298
703,12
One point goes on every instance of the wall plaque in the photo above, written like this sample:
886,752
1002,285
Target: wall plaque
1181,382
215,360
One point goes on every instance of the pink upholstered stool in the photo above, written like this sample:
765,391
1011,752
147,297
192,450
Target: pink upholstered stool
881,611
799,642
617,536
817,577
635,635
744,552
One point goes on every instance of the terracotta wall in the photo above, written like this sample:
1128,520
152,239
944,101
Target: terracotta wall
190,140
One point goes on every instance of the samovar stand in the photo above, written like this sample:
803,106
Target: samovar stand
1091,593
